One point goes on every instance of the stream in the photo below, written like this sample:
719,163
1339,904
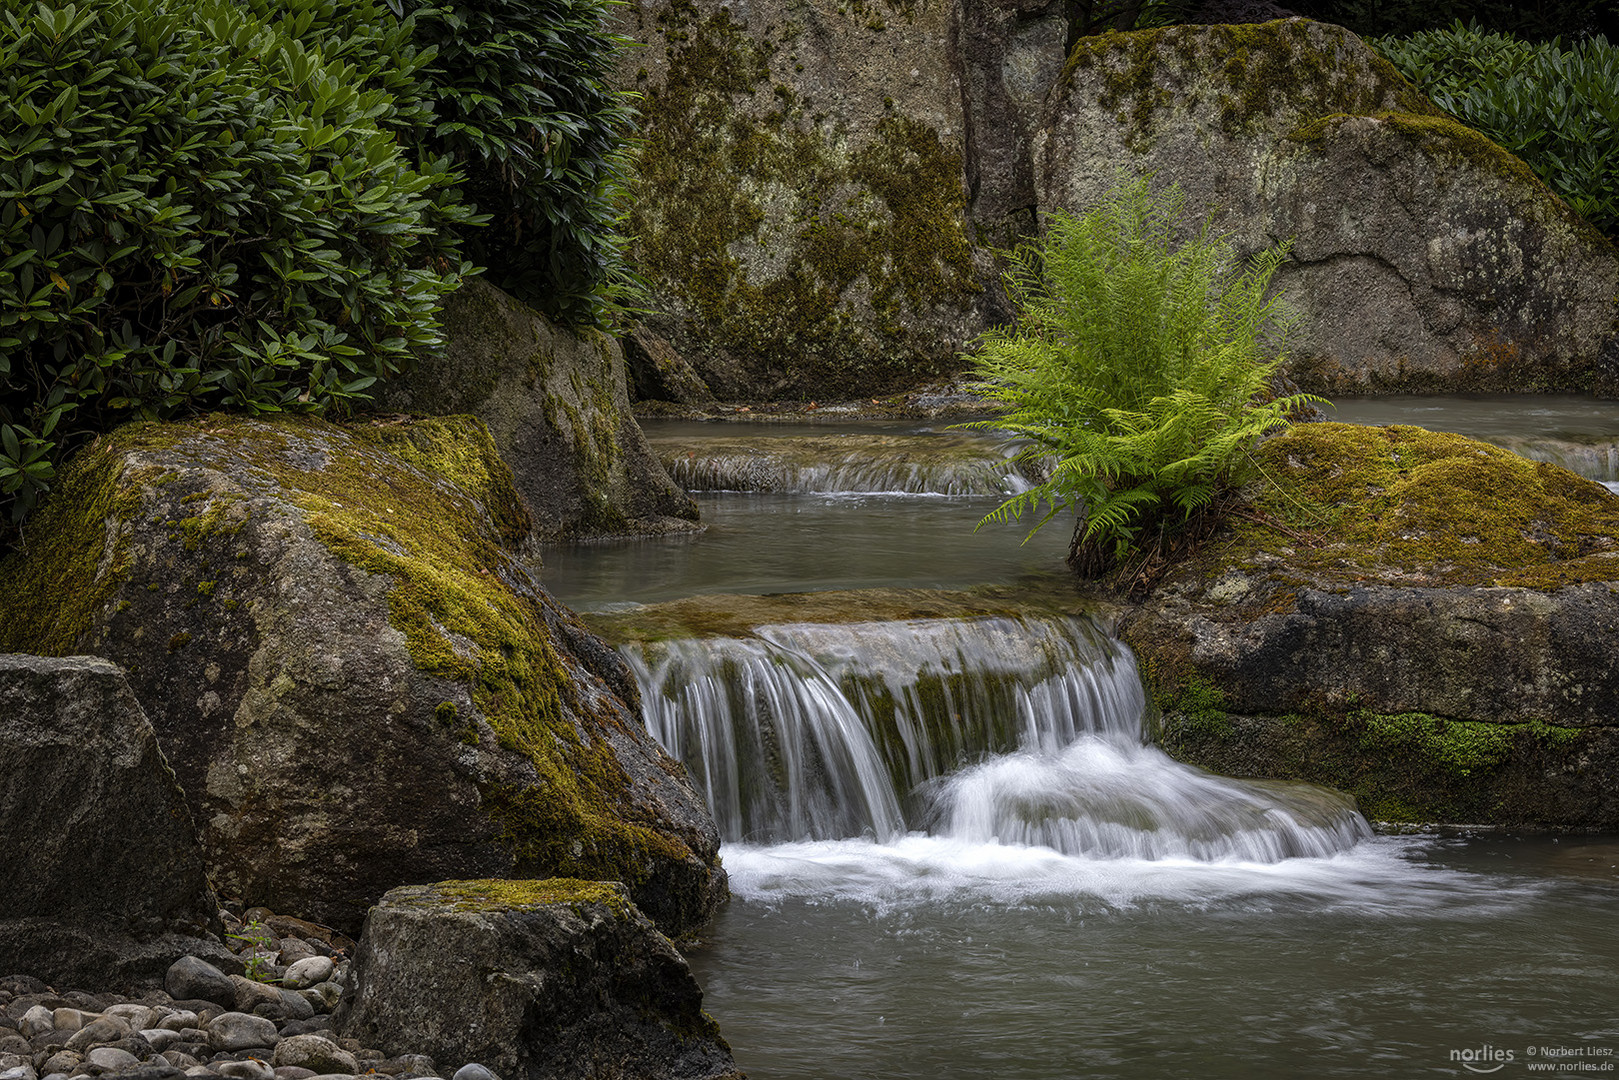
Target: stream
954,851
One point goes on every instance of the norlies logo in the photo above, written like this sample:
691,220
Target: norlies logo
1485,1059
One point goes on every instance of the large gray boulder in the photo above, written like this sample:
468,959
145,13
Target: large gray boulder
800,200
1424,256
355,681
537,980
1419,619
556,402
104,879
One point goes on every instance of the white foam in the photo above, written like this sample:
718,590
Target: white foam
1385,876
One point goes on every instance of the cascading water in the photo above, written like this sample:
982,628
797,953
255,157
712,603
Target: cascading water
953,464
1018,731
952,854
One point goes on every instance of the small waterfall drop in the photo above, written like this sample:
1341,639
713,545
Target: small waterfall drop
954,464
1018,731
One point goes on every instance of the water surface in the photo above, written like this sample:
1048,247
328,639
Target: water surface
809,542
923,959
1050,897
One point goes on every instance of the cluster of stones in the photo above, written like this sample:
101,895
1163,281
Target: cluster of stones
204,1022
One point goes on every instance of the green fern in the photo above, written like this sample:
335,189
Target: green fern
1139,371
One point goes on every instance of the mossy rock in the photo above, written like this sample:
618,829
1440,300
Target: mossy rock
1424,257
1416,768
537,980
556,402
356,682
799,196
1422,619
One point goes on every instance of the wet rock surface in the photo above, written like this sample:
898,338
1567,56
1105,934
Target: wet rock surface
542,980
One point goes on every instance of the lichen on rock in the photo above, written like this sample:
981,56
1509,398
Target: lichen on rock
356,681
799,201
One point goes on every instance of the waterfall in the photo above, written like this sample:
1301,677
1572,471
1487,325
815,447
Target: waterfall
953,465
1597,461
1025,731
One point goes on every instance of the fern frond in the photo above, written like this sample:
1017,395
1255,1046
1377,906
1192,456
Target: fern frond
1136,364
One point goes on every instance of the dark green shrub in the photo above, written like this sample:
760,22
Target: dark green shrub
524,108
1139,366
197,211
1555,107
516,93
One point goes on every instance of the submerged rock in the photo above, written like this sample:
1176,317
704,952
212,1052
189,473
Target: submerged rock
557,405
103,877
1424,620
356,683
537,980
1424,256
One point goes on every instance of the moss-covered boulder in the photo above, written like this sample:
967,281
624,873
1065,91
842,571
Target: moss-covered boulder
537,980
556,402
356,683
1424,256
1423,620
800,201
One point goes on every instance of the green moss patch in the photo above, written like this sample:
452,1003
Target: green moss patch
1409,505
1458,747
1249,74
494,894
